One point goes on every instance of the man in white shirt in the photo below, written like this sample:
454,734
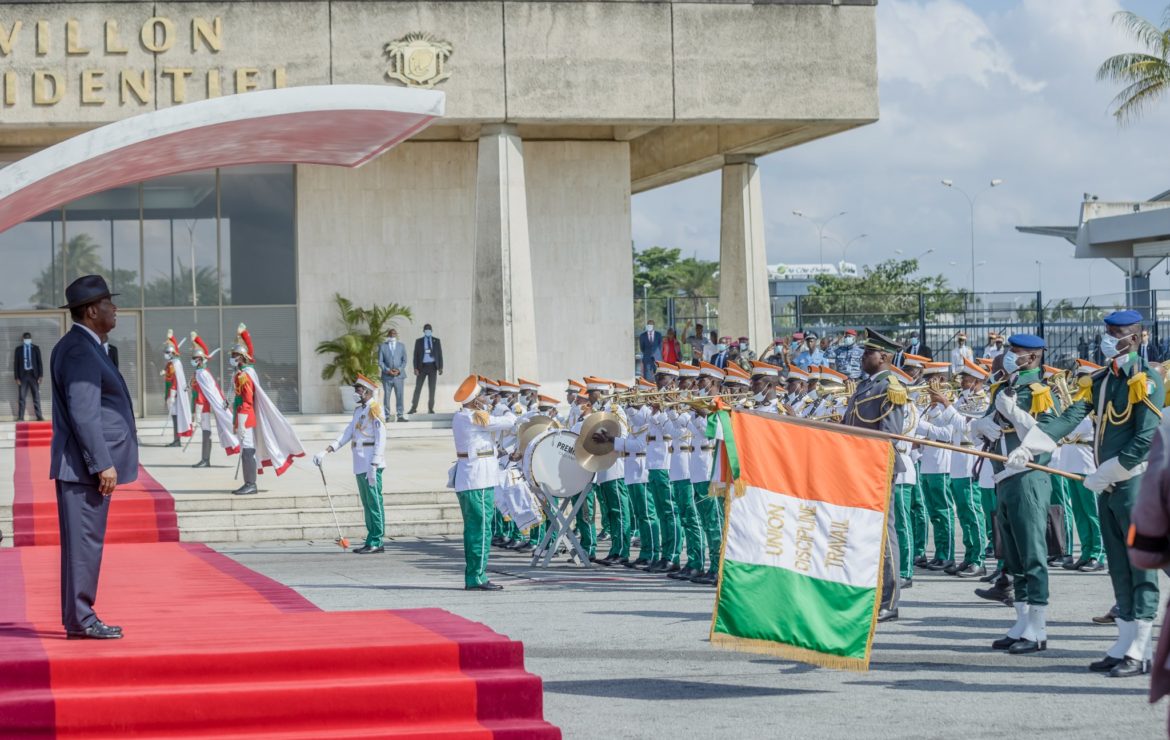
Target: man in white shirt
960,353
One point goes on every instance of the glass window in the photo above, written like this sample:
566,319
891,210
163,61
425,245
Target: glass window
274,337
155,323
32,275
101,234
178,232
258,235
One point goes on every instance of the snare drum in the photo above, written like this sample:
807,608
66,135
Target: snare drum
550,464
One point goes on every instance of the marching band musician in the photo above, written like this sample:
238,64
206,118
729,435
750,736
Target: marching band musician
936,425
631,446
1053,377
764,378
611,482
911,531
965,493
878,402
708,506
529,394
476,475
658,439
687,527
795,388
811,398
584,522
366,435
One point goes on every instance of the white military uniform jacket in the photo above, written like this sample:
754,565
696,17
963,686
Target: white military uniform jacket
657,444
678,426
701,454
632,445
935,425
475,447
367,432
1076,451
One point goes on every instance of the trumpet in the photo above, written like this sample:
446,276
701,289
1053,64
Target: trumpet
701,403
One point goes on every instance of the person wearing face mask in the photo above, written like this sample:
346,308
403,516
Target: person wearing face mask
764,380
961,354
208,401
27,367
366,435
847,355
273,442
810,352
1126,398
745,355
917,347
428,364
650,345
1021,406
175,390
720,357
392,363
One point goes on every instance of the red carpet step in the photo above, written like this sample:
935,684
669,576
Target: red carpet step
142,511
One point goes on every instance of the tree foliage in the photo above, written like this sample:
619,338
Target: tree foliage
884,294
1145,73
79,256
355,350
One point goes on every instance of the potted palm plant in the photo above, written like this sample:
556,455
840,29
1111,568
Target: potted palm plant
355,350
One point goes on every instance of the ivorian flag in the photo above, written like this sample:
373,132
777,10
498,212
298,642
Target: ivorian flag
805,537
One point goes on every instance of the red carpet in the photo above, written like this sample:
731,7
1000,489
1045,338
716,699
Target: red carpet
214,649
142,511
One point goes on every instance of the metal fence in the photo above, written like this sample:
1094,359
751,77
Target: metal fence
1070,327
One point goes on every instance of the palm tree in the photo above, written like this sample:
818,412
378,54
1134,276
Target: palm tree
694,279
356,349
1145,74
79,256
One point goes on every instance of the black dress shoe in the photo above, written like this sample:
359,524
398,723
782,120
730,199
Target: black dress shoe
887,615
640,564
954,568
1004,643
906,583
202,464
992,576
367,550
607,561
1070,564
511,544
673,568
498,541
1105,665
603,537
972,571
1054,560
683,574
658,566
995,594
524,546
939,564
485,586
626,562
412,412
920,561
362,550
1023,647
96,631
594,559
1066,562
1092,565
247,489
1130,667
697,576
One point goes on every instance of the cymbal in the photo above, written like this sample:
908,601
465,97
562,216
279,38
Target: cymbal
531,429
597,456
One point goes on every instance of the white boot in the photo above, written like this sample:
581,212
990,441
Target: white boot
1037,629
1142,645
1017,630
1126,630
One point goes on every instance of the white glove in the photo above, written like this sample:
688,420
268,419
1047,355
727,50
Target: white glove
372,476
986,427
1018,459
319,458
1109,472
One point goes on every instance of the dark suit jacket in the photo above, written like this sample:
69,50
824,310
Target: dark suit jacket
113,353
436,353
652,350
1150,352
18,361
93,418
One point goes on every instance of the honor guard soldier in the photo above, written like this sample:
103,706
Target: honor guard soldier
476,475
1127,398
366,435
175,390
878,402
1020,405
207,401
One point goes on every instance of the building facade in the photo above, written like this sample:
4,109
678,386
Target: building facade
506,225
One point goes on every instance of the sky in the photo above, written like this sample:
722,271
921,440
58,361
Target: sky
969,91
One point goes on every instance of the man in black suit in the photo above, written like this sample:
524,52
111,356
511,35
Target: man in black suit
1148,350
94,449
26,365
428,362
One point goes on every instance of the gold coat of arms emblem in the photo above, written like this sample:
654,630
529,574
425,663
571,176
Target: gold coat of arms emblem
418,60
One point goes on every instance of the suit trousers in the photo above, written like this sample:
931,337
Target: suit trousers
81,516
392,383
28,386
429,373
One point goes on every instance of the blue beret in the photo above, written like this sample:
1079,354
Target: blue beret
1123,318
1027,341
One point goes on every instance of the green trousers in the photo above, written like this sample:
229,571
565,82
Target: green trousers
688,522
969,507
373,508
1083,503
903,494
989,504
477,506
710,509
586,526
1060,498
1023,511
940,508
536,534
642,504
1134,589
668,523
617,513
919,523
497,523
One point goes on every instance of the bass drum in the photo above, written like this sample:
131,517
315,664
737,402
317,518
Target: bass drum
550,464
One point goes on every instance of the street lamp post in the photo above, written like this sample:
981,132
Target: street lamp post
845,245
971,204
820,224
645,303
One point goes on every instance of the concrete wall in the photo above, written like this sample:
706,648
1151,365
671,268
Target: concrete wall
402,229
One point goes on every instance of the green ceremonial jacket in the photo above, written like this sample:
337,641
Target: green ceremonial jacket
1028,389
1128,408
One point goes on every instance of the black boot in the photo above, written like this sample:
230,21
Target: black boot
248,465
205,461
175,426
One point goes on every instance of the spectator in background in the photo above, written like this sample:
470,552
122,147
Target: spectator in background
994,346
916,347
1083,348
392,362
719,359
710,346
27,366
650,347
671,351
777,353
1148,350
848,354
810,353
695,344
428,363
960,353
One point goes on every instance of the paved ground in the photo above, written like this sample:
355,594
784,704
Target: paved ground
625,655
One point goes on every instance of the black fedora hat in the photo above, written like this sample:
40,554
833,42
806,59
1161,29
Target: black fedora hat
85,290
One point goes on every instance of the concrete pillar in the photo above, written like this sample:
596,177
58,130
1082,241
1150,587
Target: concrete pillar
744,306
503,335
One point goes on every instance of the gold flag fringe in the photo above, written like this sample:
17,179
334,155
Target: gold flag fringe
788,652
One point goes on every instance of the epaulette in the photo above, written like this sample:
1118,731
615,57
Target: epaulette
1139,388
1084,390
1042,400
896,392
376,411
481,418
